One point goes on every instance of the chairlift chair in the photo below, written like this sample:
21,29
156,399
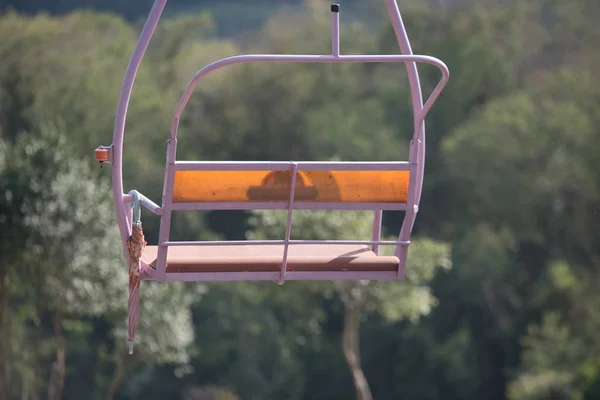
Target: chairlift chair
231,185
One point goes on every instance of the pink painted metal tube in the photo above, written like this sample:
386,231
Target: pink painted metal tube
167,201
274,276
124,217
419,113
412,207
280,242
146,271
376,236
288,228
335,30
211,206
121,115
301,58
288,165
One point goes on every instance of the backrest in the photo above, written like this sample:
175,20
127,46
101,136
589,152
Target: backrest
273,185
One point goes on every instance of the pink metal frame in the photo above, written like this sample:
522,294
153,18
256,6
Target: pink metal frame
415,164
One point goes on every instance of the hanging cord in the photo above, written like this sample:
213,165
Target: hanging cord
135,247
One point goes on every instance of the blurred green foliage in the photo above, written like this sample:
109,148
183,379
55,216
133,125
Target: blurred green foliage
511,202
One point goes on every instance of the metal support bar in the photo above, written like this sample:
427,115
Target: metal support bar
121,115
280,242
273,276
167,201
377,220
288,228
307,58
335,30
286,165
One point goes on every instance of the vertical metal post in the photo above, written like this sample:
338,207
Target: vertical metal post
417,156
167,204
377,220
335,30
288,228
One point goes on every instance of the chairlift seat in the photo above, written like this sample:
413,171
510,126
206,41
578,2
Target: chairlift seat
267,258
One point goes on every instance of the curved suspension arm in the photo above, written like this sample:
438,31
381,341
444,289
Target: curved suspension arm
119,128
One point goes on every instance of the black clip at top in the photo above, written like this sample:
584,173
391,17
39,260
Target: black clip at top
335,8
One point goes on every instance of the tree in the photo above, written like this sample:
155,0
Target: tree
408,299
533,164
68,70
71,264
482,49
524,166
561,351
56,200
5,213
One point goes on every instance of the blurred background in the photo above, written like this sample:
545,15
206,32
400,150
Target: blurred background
499,301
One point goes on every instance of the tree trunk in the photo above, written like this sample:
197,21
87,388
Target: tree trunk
37,377
350,344
116,382
125,364
3,329
57,375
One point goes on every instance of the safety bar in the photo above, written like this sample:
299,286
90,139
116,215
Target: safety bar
254,58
